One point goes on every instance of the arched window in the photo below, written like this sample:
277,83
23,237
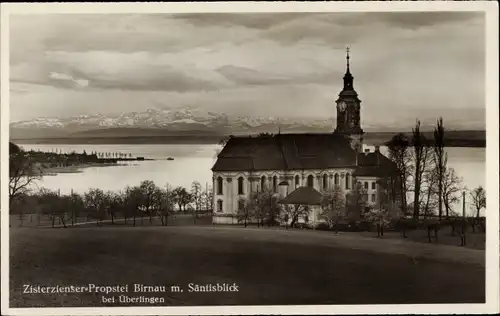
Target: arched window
240,185
241,204
275,184
310,181
336,179
325,181
219,186
263,183
219,205
347,181
297,181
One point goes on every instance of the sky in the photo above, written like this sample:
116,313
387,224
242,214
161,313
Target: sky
262,64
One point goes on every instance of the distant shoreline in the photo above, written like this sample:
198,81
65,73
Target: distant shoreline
120,140
52,171
473,139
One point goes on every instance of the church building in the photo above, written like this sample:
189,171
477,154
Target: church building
285,162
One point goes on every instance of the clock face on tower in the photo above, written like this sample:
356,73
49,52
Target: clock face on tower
342,106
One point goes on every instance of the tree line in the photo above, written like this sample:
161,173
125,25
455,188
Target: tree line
146,200
26,167
98,154
423,171
263,208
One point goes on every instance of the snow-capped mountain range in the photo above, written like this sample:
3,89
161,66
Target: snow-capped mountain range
186,120
173,120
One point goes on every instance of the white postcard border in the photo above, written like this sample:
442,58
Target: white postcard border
492,168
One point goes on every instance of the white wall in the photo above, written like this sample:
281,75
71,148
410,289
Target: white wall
230,196
371,181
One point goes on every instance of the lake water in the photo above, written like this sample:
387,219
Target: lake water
193,163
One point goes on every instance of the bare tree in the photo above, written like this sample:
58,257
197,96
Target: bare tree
77,207
333,207
478,199
269,206
356,202
264,207
23,173
421,155
197,198
452,186
132,202
148,188
52,205
163,204
441,159
244,213
292,213
96,203
428,188
207,197
182,198
400,154
115,203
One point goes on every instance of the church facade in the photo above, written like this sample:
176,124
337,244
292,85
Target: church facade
284,162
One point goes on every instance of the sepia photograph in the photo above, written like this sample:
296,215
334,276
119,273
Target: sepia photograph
187,158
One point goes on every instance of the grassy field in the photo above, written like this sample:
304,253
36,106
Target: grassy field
475,240
270,266
32,220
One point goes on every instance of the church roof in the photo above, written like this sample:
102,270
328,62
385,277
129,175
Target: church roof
303,196
374,164
13,148
297,152
286,152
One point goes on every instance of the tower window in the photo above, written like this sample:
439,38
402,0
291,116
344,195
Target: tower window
240,185
310,181
219,186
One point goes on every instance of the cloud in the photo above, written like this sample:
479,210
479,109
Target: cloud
259,21
63,77
155,33
415,20
270,64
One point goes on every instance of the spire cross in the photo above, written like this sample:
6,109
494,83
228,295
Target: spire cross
347,51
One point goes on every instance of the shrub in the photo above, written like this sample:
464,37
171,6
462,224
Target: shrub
302,226
323,226
362,226
404,224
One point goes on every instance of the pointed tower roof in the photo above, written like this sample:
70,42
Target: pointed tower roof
348,72
348,89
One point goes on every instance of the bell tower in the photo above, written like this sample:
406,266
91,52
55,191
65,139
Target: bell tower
348,111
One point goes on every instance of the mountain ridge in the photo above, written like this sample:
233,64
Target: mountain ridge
190,121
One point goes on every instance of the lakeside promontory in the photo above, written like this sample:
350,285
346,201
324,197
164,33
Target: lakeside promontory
54,162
